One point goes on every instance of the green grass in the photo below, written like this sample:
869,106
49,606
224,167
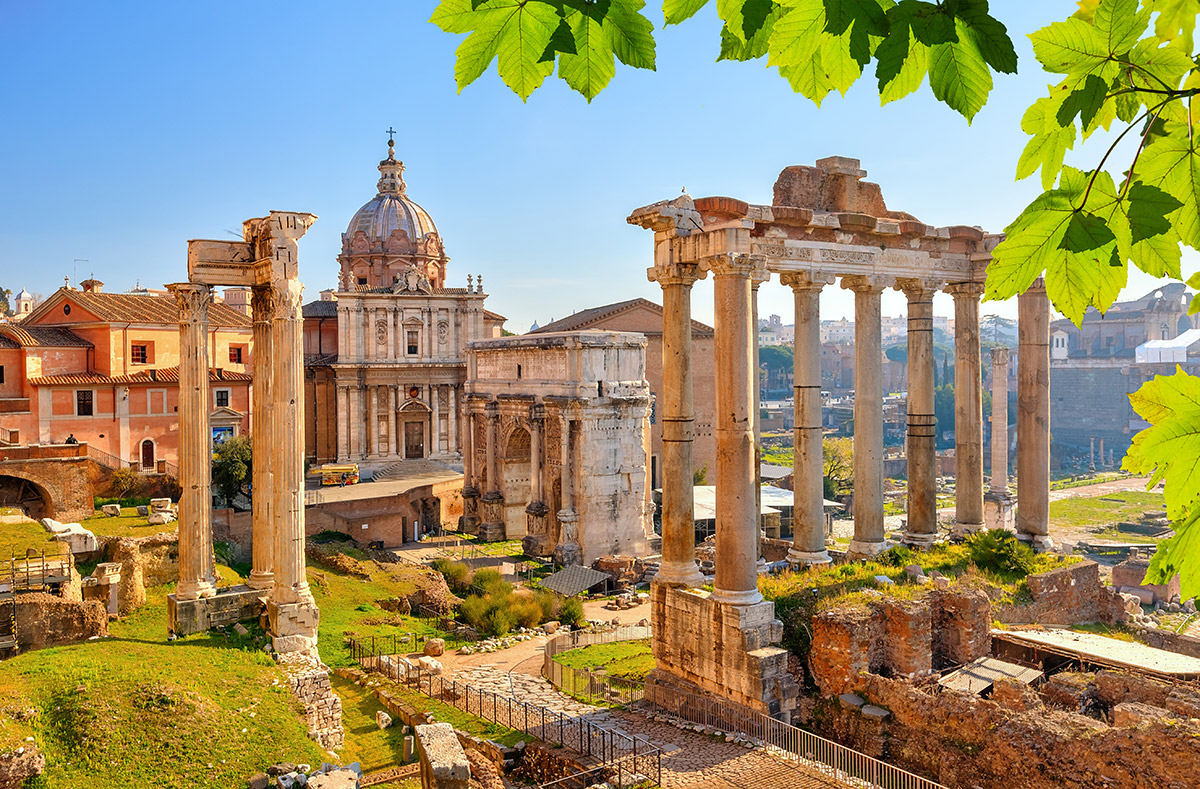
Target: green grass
447,713
1111,631
1105,511
374,748
626,659
15,538
137,710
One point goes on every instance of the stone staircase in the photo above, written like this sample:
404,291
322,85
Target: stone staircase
401,469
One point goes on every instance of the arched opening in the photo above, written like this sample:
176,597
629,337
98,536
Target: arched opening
413,427
515,476
147,455
28,497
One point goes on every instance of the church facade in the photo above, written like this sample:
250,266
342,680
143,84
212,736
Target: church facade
385,353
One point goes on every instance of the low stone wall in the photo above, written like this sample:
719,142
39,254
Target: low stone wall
965,741
444,763
1172,642
898,637
145,562
308,680
1068,596
775,550
44,620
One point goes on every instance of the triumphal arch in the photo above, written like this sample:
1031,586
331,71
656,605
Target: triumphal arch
825,225
266,261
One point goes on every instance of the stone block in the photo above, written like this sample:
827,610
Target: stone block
336,779
258,781
409,748
53,526
1131,573
435,647
78,538
160,505
1135,713
111,510
429,665
228,606
851,701
160,518
444,763
143,510
382,719
883,580
871,712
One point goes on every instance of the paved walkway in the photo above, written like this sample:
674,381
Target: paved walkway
690,759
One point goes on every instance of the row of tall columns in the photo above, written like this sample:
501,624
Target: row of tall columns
1033,416
197,577
999,482
808,506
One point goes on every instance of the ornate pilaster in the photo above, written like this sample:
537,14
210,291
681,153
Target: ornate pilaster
675,405
869,538
808,512
197,578
262,576
737,511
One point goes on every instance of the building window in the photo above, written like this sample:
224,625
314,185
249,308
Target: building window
235,354
138,355
222,398
362,280
413,349
1,373
83,402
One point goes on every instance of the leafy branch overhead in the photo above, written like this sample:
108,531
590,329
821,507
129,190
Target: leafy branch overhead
817,45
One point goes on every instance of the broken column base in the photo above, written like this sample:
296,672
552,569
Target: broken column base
966,529
229,605
730,652
537,545
1000,511
861,549
568,554
918,540
807,558
293,626
1039,542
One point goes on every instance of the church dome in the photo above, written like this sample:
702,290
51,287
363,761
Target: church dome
23,295
391,209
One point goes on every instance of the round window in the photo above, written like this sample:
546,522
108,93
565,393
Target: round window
66,309
414,392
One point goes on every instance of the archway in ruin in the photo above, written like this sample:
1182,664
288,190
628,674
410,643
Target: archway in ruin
27,496
515,474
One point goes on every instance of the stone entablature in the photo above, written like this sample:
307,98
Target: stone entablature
558,428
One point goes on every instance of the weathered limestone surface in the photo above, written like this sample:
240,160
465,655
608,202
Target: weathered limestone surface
868,417
720,649
968,408
44,620
1033,416
308,680
444,763
921,529
226,607
998,504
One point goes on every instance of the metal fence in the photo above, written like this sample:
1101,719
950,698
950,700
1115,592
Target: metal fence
590,686
786,740
636,755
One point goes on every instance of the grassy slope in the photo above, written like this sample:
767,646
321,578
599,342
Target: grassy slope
628,659
1106,511
16,537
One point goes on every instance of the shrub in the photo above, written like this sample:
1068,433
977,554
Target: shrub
490,581
525,611
896,556
457,574
571,612
499,621
549,604
999,551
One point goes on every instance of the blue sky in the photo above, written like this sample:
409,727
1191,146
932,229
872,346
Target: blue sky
132,127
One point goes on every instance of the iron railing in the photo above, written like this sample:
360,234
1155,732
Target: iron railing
588,685
638,755
783,739
107,460
622,774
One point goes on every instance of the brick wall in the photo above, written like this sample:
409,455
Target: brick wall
1067,596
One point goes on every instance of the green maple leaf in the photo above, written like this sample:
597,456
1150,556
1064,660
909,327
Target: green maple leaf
676,11
1084,270
1156,67
1021,257
1172,163
1120,24
958,74
516,32
1050,143
809,79
1074,47
990,34
797,36
902,64
592,66
841,67
630,34
1176,20
733,48
744,18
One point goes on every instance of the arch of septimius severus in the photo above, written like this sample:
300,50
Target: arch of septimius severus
825,223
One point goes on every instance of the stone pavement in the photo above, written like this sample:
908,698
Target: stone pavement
690,759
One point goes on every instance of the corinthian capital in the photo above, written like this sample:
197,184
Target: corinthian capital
731,265
262,303
965,290
806,280
286,300
866,283
918,289
675,274
193,301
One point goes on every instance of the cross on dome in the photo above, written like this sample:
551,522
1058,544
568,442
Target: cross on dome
391,178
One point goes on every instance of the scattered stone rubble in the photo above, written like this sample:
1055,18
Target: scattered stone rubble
286,775
73,534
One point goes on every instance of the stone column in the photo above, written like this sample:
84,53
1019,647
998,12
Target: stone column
453,432
197,578
354,435
262,574
1103,463
343,318
435,421
372,393
1033,416
470,519
869,537
968,408
536,542
492,527
737,513
921,530
759,276
568,551
391,334
808,510
677,414
393,404
360,313
999,420
291,610
343,423
1092,455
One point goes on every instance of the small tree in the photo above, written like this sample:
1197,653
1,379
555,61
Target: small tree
700,475
837,462
231,466
126,482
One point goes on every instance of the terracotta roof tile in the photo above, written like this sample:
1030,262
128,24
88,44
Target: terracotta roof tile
164,375
320,309
146,308
587,319
42,336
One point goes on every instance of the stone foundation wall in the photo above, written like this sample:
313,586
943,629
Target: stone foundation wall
897,637
965,741
1172,642
775,550
308,680
44,620
1067,596
724,650
542,764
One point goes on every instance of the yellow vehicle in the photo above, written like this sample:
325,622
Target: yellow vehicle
339,473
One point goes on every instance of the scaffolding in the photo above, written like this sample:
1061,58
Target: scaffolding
33,572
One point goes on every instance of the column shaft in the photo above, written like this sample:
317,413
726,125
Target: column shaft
1033,415
343,423
393,442
535,459
675,404
808,510
263,564
372,420
737,513
435,422
922,425
999,420
968,408
868,417
196,572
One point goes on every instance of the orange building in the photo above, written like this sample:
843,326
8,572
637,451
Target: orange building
104,368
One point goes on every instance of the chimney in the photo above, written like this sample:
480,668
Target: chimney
92,286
